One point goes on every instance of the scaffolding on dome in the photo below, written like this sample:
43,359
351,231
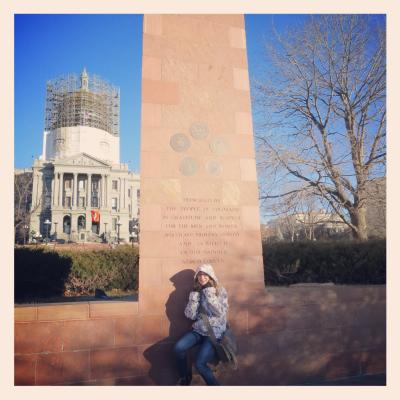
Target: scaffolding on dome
71,102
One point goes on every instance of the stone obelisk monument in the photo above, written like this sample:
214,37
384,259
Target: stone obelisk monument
199,195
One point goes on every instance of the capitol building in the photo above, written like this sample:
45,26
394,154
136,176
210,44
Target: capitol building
81,191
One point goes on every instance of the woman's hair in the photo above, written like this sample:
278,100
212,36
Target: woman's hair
197,285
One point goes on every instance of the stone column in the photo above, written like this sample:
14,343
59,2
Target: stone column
40,189
119,194
61,189
108,189
89,191
55,193
102,192
104,200
105,191
124,193
34,189
53,188
75,190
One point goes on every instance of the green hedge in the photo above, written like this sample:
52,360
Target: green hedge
347,262
42,273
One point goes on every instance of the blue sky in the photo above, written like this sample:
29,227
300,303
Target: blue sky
109,45
50,45
47,46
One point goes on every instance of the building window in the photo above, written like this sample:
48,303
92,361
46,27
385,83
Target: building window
67,224
114,224
115,185
81,201
95,227
81,184
67,201
129,208
114,204
81,222
95,186
67,184
95,201
129,192
138,193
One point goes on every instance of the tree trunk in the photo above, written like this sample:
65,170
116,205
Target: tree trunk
358,219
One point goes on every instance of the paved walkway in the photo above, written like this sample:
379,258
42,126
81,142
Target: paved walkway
365,380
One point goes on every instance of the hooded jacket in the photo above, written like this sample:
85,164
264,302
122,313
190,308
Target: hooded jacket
214,302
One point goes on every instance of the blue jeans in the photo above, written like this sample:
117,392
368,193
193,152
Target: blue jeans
205,355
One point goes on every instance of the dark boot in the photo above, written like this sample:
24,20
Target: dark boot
185,381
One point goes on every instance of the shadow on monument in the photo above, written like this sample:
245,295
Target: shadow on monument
160,355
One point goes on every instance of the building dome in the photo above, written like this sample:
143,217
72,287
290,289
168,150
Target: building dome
82,116
83,100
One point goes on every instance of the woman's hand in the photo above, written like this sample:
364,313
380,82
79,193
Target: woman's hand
194,295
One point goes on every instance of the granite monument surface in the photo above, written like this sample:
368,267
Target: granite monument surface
199,195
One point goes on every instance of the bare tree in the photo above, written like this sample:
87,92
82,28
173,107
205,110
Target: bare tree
301,215
324,104
376,208
22,203
286,208
310,216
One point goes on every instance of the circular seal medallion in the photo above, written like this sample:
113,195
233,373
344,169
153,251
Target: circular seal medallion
213,167
179,142
219,146
188,166
199,130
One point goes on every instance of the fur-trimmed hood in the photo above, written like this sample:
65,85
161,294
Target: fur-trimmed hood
207,269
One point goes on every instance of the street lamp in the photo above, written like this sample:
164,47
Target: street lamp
48,224
119,226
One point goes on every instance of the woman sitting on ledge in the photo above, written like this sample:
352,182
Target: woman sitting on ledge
207,296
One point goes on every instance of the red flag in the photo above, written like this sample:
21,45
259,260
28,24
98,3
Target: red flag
95,216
